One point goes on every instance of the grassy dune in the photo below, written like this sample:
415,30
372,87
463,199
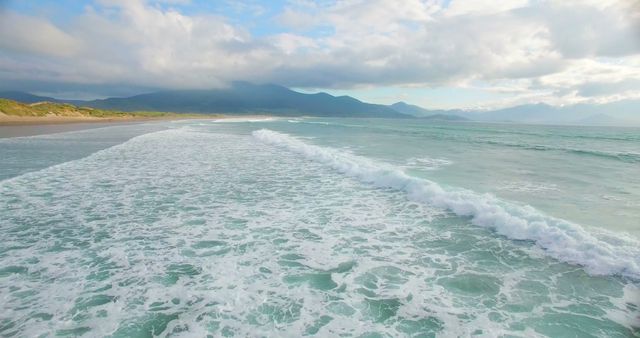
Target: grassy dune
51,109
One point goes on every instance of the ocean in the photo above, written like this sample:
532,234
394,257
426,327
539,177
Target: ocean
327,227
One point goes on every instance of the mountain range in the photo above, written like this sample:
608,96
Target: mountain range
239,98
622,113
247,98
417,111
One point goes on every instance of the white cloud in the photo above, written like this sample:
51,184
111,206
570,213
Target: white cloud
30,35
465,7
549,50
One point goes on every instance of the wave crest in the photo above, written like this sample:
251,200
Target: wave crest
608,254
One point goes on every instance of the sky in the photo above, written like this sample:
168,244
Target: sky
438,54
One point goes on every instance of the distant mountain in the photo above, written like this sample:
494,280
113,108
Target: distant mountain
444,117
247,98
25,97
615,113
417,111
409,109
30,98
530,113
598,119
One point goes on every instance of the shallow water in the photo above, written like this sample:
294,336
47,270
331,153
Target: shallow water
342,227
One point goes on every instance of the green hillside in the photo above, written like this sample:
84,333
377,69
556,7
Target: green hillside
14,108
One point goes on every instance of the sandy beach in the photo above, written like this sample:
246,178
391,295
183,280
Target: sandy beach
17,126
13,120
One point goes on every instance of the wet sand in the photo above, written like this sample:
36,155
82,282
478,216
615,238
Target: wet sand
29,126
16,126
14,130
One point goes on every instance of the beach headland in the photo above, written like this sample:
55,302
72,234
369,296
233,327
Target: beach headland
20,119
17,113
10,120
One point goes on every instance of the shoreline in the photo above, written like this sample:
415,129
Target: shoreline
11,120
20,126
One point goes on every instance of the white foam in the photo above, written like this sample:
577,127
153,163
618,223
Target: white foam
528,187
137,209
308,122
560,239
428,163
245,119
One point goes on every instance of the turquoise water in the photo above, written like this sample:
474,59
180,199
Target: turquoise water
327,227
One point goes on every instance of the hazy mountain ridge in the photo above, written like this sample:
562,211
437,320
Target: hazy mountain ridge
247,98
417,111
615,113
27,98
240,98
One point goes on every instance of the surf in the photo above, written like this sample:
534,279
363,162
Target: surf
598,253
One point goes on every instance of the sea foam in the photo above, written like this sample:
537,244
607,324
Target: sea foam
599,254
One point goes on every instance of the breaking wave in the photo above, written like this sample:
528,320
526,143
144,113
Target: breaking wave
605,254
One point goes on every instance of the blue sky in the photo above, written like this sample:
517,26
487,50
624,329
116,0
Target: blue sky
434,53
254,15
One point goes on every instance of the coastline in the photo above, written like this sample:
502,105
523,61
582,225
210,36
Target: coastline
19,126
13,120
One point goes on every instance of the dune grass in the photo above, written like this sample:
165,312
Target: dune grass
48,109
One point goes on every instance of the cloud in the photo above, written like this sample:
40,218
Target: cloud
560,51
462,7
136,42
581,30
28,35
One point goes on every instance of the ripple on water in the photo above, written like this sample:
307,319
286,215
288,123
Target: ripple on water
200,233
